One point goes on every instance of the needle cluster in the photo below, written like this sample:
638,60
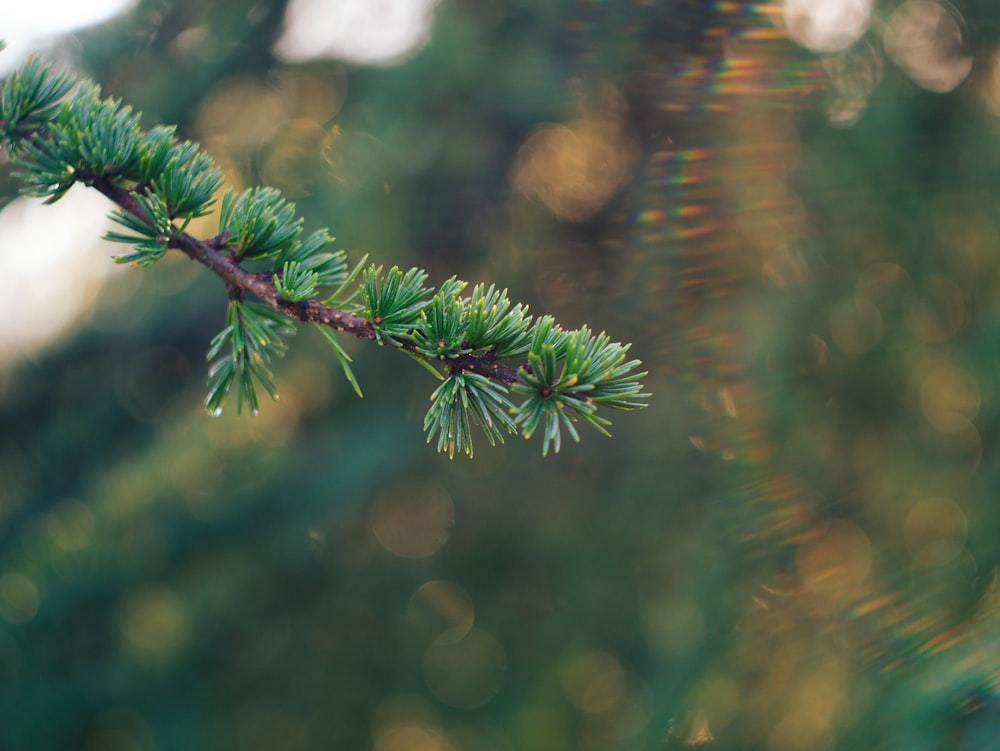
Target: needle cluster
502,370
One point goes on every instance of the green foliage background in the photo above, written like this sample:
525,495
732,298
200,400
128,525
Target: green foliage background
750,562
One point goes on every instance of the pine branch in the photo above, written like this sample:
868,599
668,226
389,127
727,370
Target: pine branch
226,267
261,285
482,346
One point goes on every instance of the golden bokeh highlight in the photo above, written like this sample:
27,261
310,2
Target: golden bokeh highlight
412,736
855,325
594,682
613,704
798,686
722,698
241,115
413,522
404,709
990,86
155,626
959,452
949,398
938,313
935,531
574,169
925,39
316,99
441,608
767,213
279,124
883,283
698,731
838,564
627,721
292,154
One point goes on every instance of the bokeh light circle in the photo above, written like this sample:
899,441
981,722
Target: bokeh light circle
412,522
924,38
827,25
441,608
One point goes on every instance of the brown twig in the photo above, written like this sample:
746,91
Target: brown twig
210,253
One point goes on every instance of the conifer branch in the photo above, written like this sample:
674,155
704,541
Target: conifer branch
261,285
59,132
226,267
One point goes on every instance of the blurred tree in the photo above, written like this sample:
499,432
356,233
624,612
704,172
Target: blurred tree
793,548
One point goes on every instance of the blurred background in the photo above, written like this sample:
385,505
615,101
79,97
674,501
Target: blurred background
791,210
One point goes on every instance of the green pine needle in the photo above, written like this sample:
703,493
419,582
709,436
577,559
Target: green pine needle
58,132
393,303
342,357
251,339
259,222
